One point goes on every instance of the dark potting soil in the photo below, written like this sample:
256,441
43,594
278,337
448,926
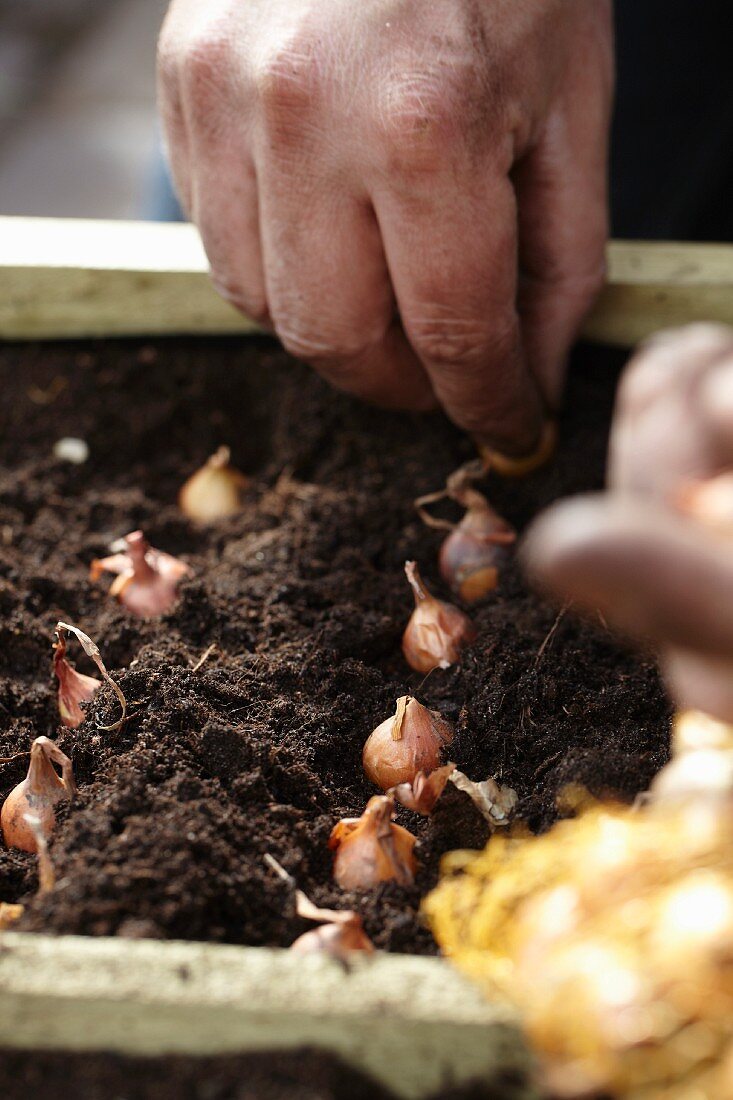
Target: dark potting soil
251,701
300,1075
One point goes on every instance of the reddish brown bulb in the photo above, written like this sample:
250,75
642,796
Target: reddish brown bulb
147,579
371,849
437,631
74,687
475,552
411,741
38,795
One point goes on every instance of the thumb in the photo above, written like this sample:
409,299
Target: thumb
652,574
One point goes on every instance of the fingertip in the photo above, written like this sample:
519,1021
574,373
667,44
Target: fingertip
560,542
716,402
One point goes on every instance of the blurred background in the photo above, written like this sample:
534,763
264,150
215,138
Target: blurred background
77,106
78,131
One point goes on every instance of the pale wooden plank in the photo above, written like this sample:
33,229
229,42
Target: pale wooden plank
654,285
69,277
412,1023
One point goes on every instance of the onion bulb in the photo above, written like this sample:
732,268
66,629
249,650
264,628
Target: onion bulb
9,915
409,742
215,491
422,794
341,932
371,849
38,795
473,554
437,631
74,687
339,940
147,579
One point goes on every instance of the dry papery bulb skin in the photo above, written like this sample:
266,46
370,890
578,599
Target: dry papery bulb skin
371,849
74,687
341,932
437,631
38,795
215,491
147,579
422,794
411,741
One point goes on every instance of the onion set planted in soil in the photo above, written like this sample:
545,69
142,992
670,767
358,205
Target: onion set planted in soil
256,649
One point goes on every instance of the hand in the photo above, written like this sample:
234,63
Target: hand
368,178
631,554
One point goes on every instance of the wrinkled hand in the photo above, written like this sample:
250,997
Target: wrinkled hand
652,571
412,194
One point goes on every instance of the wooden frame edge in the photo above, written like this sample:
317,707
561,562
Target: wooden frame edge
64,278
413,1024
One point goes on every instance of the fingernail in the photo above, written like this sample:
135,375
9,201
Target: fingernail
520,465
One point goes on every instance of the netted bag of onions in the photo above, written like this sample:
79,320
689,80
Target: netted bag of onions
613,936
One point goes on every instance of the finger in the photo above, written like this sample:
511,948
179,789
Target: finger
670,361
330,297
222,184
662,397
453,263
170,107
652,574
563,228
716,403
225,207
700,682
326,277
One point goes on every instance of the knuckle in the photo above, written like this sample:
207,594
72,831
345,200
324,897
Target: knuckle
419,116
167,59
289,79
247,300
205,64
460,342
644,376
333,350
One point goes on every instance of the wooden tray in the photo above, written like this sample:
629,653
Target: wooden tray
412,1023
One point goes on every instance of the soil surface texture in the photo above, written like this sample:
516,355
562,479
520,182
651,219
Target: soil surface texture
300,1075
251,701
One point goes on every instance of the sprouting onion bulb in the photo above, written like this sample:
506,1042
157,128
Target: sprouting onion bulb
710,502
341,932
371,849
215,491
422,794
147,579
437,631
474,553
38,795
74,687
409,742
339,939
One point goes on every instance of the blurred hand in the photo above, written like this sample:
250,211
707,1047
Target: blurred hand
412,194
652,571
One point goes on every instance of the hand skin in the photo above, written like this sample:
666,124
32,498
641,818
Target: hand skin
411,193
653,572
